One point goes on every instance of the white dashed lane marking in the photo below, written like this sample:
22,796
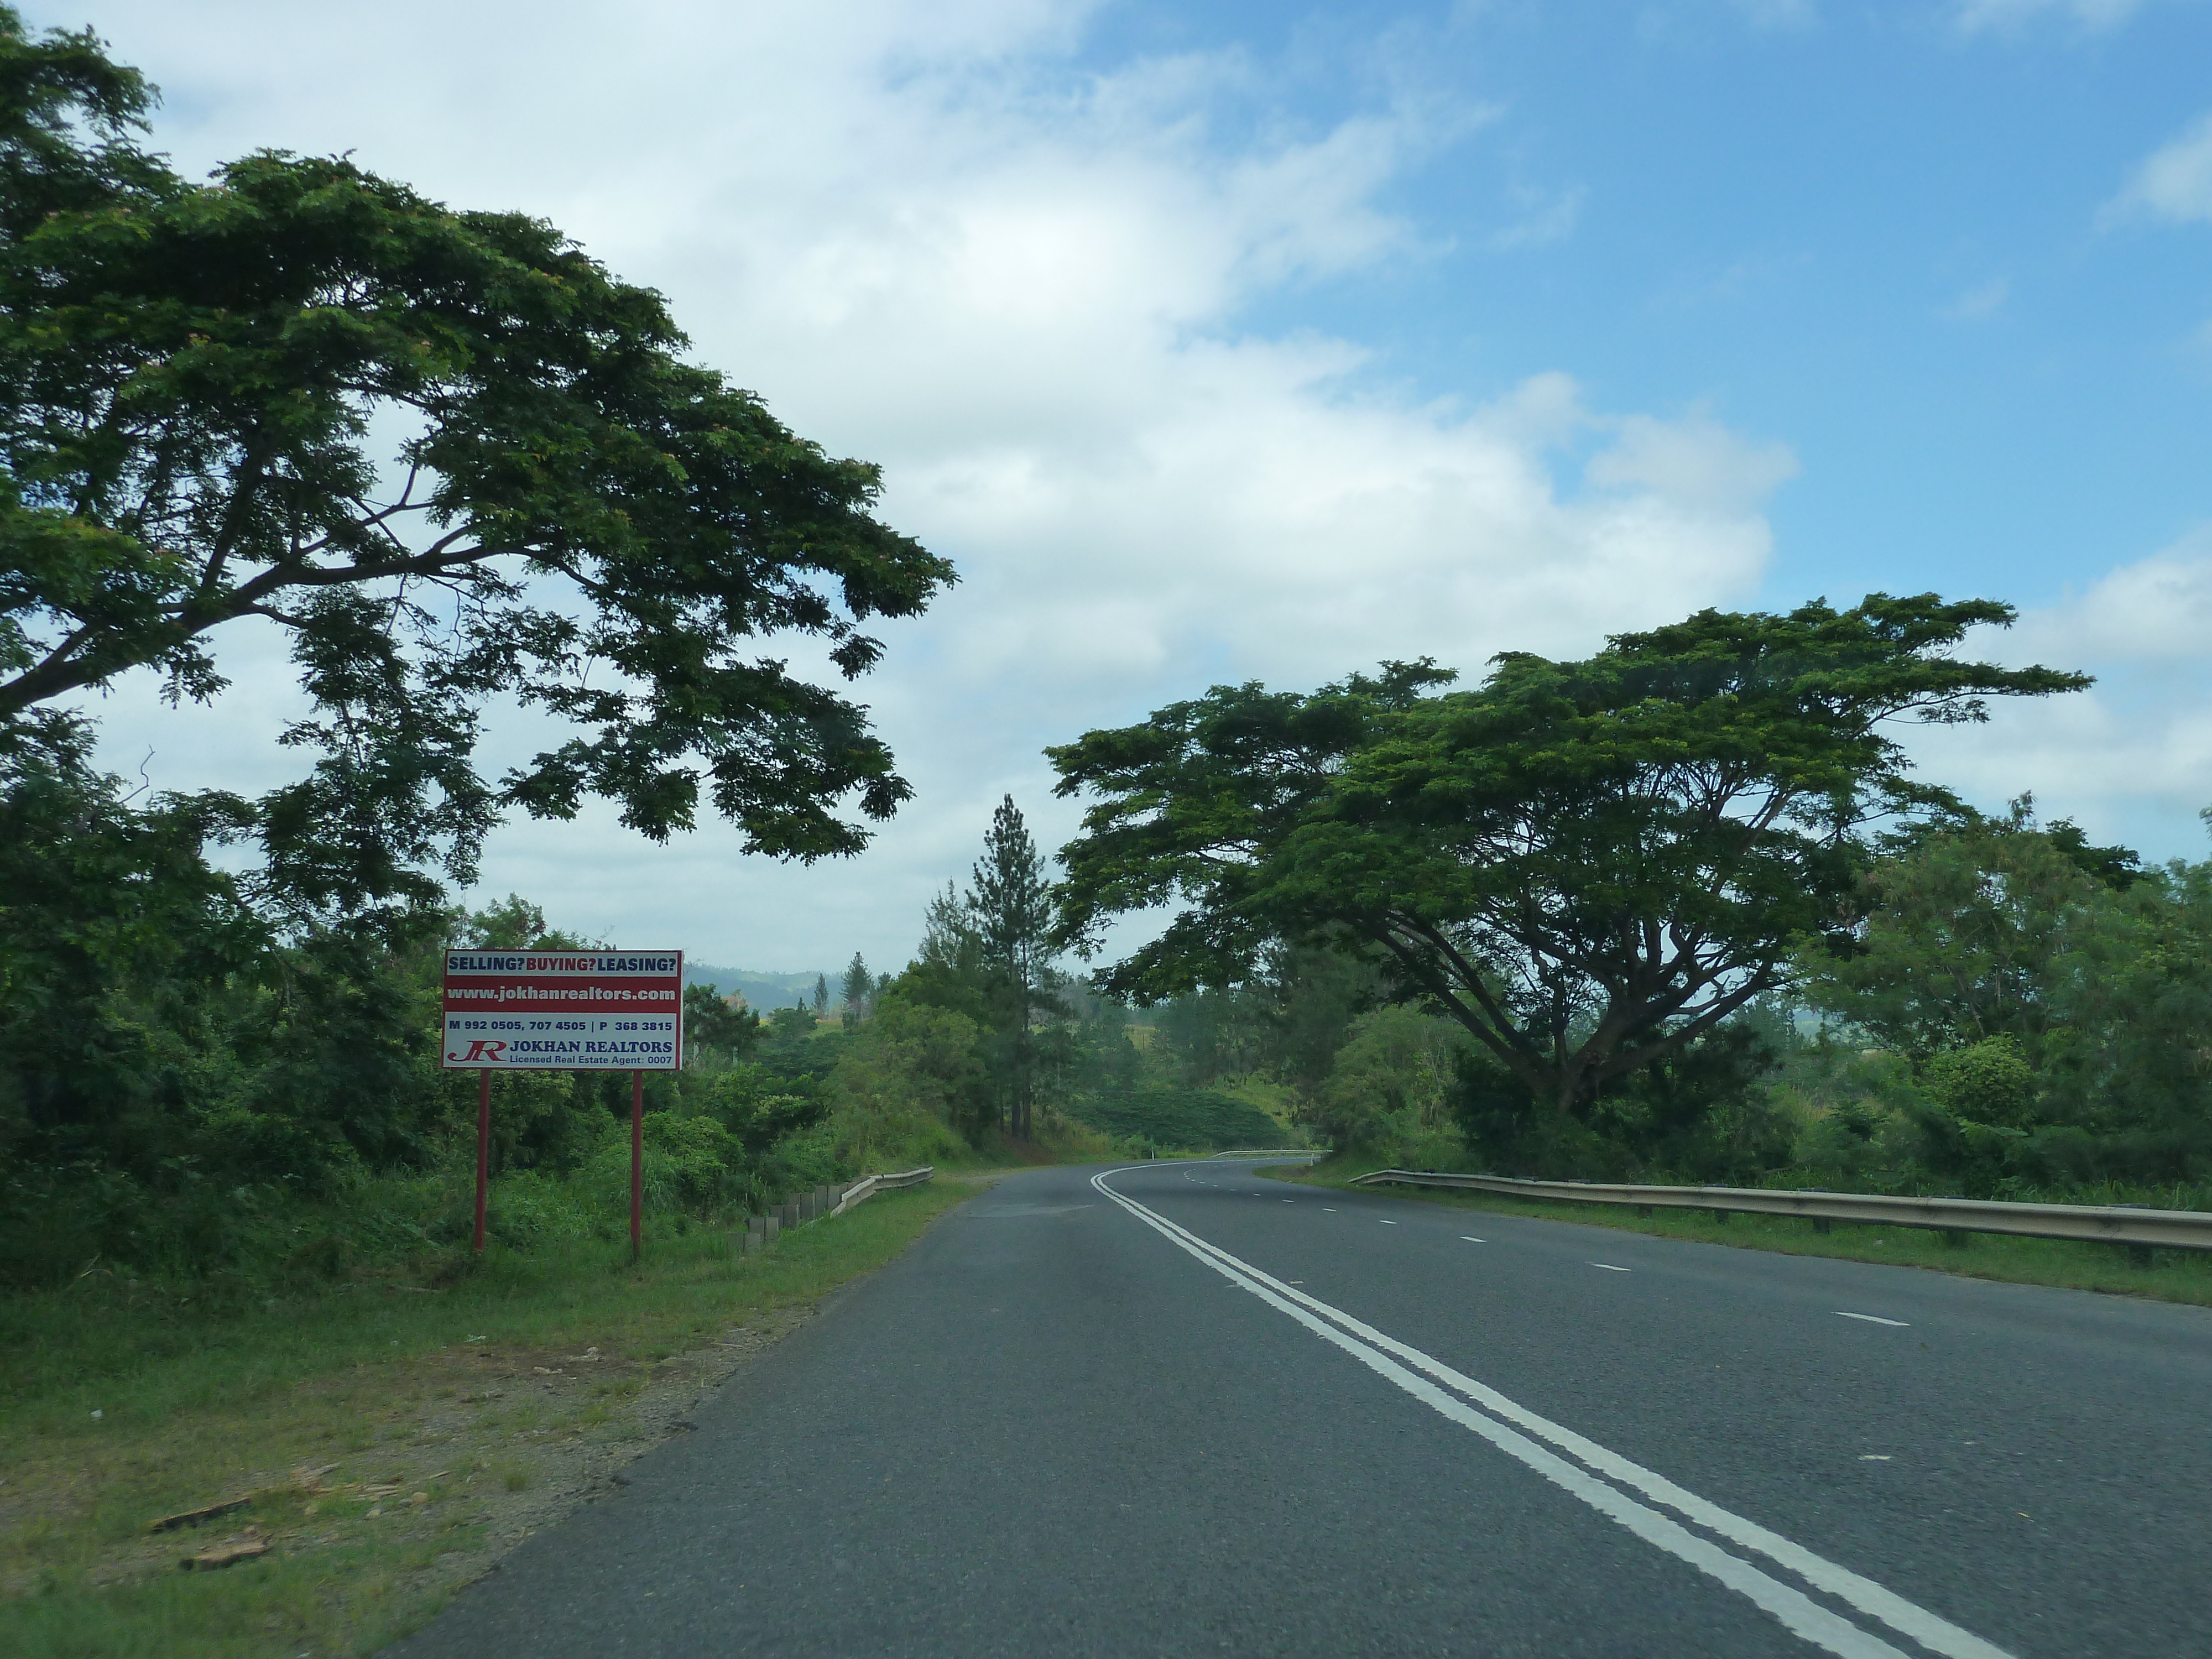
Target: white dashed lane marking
1471,1239
1610,1268
1876,1319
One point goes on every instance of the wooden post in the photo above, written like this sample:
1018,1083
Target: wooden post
484,1148
636,1162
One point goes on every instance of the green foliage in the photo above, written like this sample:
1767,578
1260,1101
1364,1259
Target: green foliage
759,1109
914,1058
192,378
691,1166
2050,1021
1588,864
189,376
986,956
856,990
1010,911
794,1025
709,1023
1957,938
1189,1120
905,1092
1703,1113
1216,1032
55,92
1988,1082
1392,1082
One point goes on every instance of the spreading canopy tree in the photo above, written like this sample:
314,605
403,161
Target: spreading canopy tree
452,457
1589,865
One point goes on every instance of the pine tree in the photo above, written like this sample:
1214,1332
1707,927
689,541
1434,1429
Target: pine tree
860,990
821,995
1011,908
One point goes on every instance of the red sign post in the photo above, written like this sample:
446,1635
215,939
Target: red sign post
564,1010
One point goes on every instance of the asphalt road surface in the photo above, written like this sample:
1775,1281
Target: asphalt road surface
1178,1409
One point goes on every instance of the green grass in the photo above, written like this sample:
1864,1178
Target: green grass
2171,1276
437,1392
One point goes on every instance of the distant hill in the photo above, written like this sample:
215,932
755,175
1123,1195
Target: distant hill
1198,1119
763,992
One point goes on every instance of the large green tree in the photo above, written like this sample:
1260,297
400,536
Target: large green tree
1964,932
1590,865
446,453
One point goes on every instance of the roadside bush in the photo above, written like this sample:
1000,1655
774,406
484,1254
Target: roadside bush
690,1164
1989,1083
1391,1083
1190,1119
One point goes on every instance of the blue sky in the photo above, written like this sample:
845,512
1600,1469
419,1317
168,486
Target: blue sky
1874,231
1258,341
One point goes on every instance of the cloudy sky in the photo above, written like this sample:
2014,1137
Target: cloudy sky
1230,341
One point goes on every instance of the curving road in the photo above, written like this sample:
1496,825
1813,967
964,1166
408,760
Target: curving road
1178,1408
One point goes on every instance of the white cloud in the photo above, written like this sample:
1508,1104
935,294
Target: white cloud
2156,610
929,239
2131,758
2174,182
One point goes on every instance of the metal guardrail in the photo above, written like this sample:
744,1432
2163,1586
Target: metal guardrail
761,1229
1273,1152
868,1186
2183,1229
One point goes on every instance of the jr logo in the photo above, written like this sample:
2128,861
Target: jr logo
480,1049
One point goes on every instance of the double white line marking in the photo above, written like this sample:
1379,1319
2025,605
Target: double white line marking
1447,1392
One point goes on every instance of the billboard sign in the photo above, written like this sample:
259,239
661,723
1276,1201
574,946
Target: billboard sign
564,1010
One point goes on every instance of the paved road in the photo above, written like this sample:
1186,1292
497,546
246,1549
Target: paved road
1218,1415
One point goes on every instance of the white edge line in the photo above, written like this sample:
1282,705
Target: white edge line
1930,1630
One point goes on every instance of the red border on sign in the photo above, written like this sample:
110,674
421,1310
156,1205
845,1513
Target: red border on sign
562,1011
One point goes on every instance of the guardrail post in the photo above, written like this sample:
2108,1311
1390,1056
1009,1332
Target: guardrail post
1721,1216
1822,1224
